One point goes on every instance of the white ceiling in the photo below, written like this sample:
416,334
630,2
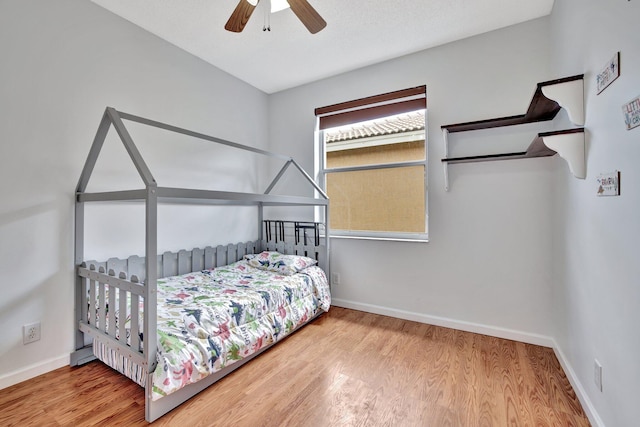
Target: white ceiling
358,32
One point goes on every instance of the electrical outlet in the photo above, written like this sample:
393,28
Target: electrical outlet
31,332
597,374
335,278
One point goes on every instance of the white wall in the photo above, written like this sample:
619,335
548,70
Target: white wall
596,268
487,266
62,63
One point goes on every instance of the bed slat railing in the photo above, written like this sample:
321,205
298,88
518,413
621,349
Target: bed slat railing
104,295
101,316
181,262
135,324
111,312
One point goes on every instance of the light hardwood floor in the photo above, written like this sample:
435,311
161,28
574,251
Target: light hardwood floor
347,368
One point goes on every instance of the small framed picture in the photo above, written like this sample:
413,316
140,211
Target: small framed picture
631,112
609,73
609,184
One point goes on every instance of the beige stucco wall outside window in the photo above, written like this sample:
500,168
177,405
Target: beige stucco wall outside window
383,200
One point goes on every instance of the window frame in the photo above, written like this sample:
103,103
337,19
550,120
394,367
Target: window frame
322,171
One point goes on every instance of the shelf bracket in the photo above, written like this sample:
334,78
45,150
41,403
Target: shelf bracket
570,96
570,146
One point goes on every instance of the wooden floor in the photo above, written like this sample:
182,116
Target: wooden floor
347,368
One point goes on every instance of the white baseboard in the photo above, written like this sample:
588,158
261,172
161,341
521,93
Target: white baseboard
587,405
445,322
32,371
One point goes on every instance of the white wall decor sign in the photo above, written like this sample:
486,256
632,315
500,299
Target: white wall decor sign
631,111
609,73
609,184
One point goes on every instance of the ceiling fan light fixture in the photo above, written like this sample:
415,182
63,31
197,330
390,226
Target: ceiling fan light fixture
278,5
310,18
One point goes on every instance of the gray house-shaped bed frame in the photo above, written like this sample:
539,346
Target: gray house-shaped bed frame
136,277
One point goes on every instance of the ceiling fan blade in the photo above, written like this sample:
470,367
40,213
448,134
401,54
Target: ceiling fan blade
308,15
240,16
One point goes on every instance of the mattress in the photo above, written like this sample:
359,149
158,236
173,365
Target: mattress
210,319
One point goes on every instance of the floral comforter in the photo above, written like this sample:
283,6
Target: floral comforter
211,319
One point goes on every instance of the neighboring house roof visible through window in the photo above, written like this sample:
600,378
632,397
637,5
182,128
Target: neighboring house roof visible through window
401,123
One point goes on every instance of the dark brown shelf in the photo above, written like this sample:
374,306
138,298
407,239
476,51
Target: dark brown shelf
485,158
537,148
540,109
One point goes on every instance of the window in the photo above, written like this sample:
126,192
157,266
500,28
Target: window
372,164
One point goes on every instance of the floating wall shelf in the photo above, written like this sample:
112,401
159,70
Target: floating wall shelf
548,98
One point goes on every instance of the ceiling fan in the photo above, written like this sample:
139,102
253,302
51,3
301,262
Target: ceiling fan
302,9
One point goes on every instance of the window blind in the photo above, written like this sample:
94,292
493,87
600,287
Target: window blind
372,107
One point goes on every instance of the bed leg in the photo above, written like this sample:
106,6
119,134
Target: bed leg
82,356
